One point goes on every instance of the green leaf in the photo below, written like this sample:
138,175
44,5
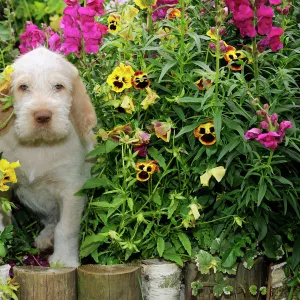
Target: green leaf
230,259
105,148
185,242
196,39
261,192
130,203
188,128
253,290
295,259
166,68
148,229
173,206
154,153
173,257
283,180
261,227
93,183
160,246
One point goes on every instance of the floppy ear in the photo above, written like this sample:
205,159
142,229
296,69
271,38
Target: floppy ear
82,111
6,116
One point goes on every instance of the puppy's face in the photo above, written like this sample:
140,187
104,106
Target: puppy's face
42,91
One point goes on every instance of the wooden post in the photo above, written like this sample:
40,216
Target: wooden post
161,280
116,282
241,282
40,283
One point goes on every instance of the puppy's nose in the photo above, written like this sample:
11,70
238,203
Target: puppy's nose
42,116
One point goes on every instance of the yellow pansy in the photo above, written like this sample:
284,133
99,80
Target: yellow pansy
114,23
142,4
120,78
7,173
127,104
5,78
150,98
218,173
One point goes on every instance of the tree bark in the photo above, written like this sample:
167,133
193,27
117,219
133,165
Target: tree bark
40,283
117,282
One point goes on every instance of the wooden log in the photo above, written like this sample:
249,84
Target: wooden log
40,283
161,280
241,282
116,282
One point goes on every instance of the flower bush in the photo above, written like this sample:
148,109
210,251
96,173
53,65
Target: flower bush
198,139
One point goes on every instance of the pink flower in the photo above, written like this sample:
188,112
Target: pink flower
97,6
283,126
161,12
86,14
269,140
274,119
252,133
263,44
274,38
264,125
243,20
102,28
54,42
275,2
70,17
31,38
71,2
72,32
264,15
71,45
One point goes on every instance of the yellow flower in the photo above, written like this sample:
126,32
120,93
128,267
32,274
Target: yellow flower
162,130
145,3
173,13
5,78
114,23
146,169
235,58
55,21
205,133
203,84
7,173
128,105
218,173
120,78
195,210
150,98
129,13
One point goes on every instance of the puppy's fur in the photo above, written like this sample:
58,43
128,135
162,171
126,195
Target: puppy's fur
52,153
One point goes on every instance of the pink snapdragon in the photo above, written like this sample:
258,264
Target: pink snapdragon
31,38
97,6
272,40
264,15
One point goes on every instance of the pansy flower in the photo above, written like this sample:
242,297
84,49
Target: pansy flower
142,4
140,80
146,169
7,173
203,84
162,130
114,23
235,58
120,78
205,133
218,173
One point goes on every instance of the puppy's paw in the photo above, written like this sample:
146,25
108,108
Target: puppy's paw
44,242
64,260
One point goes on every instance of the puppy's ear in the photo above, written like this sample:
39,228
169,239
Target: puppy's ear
6,116
82,111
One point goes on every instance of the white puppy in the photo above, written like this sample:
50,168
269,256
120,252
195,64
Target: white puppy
50,136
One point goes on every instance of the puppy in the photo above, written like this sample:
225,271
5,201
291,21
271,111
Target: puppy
50,136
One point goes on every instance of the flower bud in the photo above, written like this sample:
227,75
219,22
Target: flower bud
140,218
264,125
274,118
266,106
212,46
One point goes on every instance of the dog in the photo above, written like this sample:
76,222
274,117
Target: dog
50,135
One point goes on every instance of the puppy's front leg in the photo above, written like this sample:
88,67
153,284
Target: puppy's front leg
66,234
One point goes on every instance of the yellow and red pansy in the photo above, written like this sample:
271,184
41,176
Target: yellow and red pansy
140,80
146,169
205,133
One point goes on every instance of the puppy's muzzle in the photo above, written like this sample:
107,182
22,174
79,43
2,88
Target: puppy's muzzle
42,116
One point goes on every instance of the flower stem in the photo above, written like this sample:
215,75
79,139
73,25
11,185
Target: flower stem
149,20
217,66
182,29
255,62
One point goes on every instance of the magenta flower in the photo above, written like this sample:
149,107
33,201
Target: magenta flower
252,133
160,13
263,44
283,126
97,6
70,17
264,15
86,14
274,119
31,38
54,42
71,45
264,125
142,149
71,2
243,20
275,2
269,140
274,38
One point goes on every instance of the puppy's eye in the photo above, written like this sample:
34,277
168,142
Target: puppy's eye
58,87
24,87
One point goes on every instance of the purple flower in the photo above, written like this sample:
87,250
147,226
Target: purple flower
142,149
161,12
31,38
71,45
86,14
283,126
71,2
264,125
269,140
264,15
263,44
275,2
54,42
252,133
97,6
274,38
243,20
274,119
